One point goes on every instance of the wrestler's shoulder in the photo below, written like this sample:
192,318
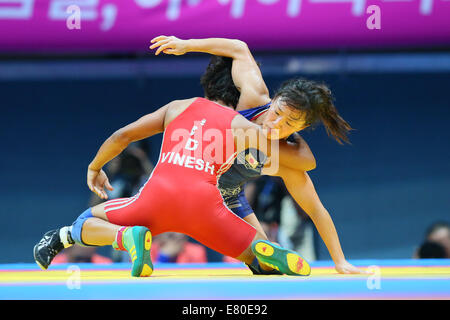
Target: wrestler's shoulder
240,122
181,103
175,107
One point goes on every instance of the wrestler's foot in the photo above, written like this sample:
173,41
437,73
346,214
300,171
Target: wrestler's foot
286,261
137,241
50,245
257,270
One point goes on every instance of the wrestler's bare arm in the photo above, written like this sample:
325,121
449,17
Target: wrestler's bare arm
142,128
303,192
245,71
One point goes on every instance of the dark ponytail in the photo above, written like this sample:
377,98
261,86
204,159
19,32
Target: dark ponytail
316,100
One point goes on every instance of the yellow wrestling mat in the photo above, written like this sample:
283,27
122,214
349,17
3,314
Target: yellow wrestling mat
403,279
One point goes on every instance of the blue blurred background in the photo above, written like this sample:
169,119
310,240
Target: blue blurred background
382,191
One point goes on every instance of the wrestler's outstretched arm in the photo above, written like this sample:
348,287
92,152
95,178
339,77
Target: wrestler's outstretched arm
246,74
142,128
303,192
248,79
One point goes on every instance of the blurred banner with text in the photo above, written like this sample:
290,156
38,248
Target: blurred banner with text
30,26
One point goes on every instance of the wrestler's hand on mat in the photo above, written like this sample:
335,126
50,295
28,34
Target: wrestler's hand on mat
97,181
346,268
169,45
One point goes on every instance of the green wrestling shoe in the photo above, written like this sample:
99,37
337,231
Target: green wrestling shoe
286,261
137,241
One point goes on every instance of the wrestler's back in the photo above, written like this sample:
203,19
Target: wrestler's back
197,145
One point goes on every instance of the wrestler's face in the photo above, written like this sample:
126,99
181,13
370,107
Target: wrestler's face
282,120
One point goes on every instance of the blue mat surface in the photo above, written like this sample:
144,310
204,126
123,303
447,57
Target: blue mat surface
390,279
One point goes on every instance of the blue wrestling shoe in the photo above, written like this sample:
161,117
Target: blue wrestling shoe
286,261
137,241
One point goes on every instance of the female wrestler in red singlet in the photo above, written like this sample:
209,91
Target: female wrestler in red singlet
181,195
201,139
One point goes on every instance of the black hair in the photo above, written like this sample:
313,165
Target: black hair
217,82
316,100
309,96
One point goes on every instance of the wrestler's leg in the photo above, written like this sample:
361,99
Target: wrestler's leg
97,230
253,220
265,257
97,233
248,257
233,235
94,228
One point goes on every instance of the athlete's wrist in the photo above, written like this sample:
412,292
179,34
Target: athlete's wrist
93,167
194,45
339,261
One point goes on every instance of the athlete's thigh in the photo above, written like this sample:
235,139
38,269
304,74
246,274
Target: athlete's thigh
100,210
223,231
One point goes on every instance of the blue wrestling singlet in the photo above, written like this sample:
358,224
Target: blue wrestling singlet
248,164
